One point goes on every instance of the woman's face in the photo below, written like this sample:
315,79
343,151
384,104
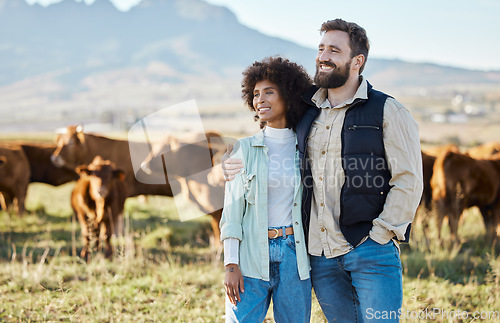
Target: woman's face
269,104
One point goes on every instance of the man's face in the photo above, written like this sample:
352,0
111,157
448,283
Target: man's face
333,61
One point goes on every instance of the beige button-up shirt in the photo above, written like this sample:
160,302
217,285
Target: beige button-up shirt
402,148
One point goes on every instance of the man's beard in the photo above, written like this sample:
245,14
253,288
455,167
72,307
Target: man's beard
334,79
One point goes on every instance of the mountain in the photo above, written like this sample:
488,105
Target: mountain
73,62
190,36
398,73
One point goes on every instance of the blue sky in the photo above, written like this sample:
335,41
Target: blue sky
461,33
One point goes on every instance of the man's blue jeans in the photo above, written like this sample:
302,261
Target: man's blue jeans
291,296
361,286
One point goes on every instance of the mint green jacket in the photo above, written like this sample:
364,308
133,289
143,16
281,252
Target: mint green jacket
245,210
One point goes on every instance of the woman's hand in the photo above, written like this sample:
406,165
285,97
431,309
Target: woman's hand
234,283
230,166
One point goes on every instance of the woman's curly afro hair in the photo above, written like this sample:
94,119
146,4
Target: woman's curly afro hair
290,78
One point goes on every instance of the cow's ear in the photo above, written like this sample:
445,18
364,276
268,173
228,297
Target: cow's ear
82,170
119,174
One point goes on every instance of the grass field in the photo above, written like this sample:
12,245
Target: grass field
164,270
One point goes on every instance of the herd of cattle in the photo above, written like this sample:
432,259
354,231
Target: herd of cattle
105,176
455,181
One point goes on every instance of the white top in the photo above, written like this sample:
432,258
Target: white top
281,144
281,176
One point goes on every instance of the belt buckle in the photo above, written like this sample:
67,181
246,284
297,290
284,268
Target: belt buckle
277,233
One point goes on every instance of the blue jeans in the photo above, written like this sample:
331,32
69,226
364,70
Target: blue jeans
363,285
291,296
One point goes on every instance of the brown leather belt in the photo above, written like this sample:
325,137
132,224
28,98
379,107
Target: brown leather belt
275,233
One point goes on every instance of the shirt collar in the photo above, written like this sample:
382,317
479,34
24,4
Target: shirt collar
258,139
320,97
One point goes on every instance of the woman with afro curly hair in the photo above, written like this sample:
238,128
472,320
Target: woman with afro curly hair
264,249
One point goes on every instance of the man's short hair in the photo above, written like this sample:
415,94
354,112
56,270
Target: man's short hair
357,35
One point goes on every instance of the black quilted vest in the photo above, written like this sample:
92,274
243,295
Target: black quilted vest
365,167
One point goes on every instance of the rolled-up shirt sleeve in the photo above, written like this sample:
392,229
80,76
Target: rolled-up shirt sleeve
234,205
403,154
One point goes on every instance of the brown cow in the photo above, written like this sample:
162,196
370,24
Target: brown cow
460,182
427,165
485,150
98,200
42,169
14,177
428,159
76,148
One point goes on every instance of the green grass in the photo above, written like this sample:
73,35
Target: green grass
164,270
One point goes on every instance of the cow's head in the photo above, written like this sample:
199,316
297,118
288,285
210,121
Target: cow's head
3,161
71,148
101,175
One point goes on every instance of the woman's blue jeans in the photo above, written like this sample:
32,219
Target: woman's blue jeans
291,296
361,286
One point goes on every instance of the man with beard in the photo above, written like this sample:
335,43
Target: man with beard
362,177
